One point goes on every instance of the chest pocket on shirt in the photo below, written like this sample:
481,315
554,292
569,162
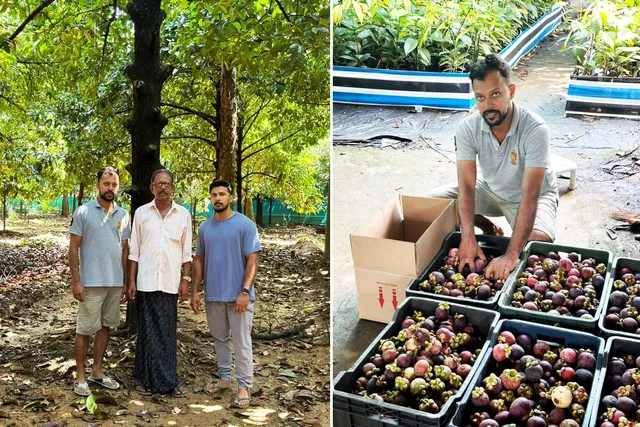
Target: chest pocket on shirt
173,233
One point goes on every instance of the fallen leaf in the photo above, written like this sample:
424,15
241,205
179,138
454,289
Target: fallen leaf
4,414
122,412
137,402
287,373
206,408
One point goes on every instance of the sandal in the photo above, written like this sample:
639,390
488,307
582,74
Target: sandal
81,390
143,391
241,402
105,382
211,389
179,392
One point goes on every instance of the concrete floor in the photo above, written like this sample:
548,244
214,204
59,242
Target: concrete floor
365,178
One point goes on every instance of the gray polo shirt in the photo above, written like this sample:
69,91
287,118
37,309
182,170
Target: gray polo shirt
503,165
101,247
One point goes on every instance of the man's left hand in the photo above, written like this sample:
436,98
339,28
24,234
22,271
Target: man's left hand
242,302
183,291
501,267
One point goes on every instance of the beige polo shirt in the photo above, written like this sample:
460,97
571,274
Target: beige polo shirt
160,246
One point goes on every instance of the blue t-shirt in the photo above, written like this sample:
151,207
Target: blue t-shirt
224,245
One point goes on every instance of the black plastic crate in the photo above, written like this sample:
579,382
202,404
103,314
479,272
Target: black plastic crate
618,264
490,245
352,410
507,310
550,334
615,347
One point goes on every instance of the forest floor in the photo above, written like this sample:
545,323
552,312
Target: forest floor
37,329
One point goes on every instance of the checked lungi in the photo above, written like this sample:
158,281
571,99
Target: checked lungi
156,364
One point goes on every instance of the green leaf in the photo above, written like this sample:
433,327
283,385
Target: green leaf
409,45
364,34
91,404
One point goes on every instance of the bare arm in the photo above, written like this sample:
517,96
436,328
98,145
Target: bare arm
74,260
125,262
198,274
250,270
469,248
74,264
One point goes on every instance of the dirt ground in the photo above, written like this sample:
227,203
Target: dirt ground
365,178
37,328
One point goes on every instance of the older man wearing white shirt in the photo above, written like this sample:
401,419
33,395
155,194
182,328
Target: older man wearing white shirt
159,275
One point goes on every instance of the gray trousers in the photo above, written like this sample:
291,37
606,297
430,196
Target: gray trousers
225,323
489,204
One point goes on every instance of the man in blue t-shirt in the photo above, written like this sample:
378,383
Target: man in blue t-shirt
227,259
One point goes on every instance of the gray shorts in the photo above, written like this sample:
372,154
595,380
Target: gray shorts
489,204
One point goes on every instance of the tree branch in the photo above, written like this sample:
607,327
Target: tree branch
207,140
106,33
271,145
206,117
253,117
259,173
283,11
12,103
260,139
32,15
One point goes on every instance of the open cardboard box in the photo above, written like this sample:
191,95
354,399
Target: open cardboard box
394,246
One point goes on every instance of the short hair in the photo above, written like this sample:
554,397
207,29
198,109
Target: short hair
492,62
167,171
108,170
221,183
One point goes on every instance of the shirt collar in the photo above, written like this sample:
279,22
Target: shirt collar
152,205
514,121
115,206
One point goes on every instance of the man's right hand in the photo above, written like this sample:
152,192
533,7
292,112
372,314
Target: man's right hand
195,303
131,291
78,291
469,250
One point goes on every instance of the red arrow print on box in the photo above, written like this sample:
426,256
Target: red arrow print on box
380,297
394,300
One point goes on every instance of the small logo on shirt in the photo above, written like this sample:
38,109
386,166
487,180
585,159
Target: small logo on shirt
118,225
514,157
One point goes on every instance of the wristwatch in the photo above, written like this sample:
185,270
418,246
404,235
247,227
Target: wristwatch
246,291
187,278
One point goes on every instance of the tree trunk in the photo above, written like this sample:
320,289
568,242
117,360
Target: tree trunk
248,209
65,205
259,217
74,203
4,211
270,208
239,162
81,194
147,76
327,227
228,135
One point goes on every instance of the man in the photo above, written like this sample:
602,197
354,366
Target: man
159,277
512,147
100,232
227,258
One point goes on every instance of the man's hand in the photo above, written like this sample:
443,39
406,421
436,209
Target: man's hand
131,291
469,250
242,302
125,295
183,291
501,267
195,303
78,291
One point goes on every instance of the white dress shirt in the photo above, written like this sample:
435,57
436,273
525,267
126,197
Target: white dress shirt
160,246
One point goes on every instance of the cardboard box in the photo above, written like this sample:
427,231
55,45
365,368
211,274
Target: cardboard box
394,246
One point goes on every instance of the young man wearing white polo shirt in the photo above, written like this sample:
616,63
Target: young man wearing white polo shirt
99,232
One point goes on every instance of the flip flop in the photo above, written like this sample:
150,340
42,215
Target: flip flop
77,389
143,391
241,402
211,389
179,393
105,382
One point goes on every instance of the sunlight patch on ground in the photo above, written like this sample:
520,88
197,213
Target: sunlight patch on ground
206,408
